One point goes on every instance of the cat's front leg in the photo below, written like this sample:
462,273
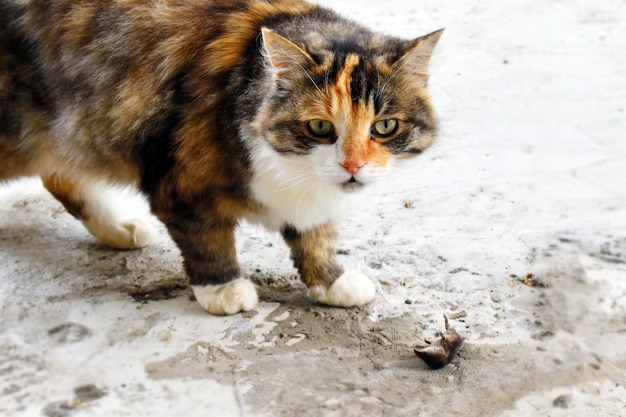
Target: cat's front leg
209,257
313,253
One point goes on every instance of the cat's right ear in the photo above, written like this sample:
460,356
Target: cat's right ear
417,57
285,56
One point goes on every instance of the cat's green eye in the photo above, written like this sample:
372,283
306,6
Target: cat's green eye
321,128
385,128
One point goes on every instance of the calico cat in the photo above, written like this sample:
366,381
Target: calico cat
274,111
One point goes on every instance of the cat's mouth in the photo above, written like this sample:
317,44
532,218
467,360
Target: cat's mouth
352,184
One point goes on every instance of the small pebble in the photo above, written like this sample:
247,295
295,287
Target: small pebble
458,315
89,392
563,401
408,302
495,298
58,409
165,335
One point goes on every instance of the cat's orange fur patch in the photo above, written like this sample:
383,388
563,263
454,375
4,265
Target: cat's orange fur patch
201,165
78,26
227,51
67,192
357,148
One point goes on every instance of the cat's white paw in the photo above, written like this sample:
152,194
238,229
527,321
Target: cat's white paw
141,234
352,289
131,234
233,297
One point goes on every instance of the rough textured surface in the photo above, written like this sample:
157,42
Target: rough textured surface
514,226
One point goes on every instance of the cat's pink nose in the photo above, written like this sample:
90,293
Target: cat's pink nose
352,166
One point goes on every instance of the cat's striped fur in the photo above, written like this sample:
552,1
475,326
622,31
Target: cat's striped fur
218,110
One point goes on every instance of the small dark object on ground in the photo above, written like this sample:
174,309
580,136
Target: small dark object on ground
439,354
153,292
86,393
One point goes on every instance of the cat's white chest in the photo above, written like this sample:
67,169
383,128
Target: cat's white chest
291,192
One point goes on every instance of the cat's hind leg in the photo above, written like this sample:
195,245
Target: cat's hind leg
96,206
313,253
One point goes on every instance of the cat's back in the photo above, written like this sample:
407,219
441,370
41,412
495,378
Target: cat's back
88,23
106,75
60,29
83,48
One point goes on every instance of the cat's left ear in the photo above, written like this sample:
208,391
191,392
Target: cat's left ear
417,57
285,56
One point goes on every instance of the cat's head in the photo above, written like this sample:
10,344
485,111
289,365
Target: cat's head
345,109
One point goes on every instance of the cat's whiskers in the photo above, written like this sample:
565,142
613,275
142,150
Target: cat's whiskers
304,194
396,72
327,80
319,200
311,78
298,173
294,165
294,182
405,173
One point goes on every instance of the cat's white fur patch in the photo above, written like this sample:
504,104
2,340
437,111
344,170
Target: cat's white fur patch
131,234
106,219
301,190
230,298
352,289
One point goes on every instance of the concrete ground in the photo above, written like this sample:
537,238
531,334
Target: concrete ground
514,226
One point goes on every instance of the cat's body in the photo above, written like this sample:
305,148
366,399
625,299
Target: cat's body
274,111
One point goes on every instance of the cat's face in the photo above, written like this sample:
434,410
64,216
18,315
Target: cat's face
345,116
